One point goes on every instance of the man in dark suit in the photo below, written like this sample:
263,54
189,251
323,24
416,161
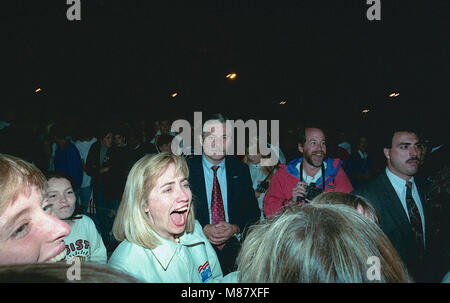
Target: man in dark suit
401,201
224,201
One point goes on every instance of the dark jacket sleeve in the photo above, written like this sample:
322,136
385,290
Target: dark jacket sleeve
75,166
245,205
93,161
197,185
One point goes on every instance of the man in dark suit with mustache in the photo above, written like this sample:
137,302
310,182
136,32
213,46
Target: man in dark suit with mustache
223,196
402,203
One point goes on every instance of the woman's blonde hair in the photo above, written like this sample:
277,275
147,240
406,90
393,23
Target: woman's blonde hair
17,177
317,243
351,200
132,223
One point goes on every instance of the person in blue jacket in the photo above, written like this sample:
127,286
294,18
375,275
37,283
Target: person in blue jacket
67,156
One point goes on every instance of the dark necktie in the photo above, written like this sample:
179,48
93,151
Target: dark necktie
217,208
414,216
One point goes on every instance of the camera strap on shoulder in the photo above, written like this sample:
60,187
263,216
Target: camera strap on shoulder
271,172
262,187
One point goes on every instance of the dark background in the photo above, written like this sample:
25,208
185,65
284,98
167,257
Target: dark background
323,57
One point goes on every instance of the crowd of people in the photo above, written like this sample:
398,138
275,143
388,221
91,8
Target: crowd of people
119,198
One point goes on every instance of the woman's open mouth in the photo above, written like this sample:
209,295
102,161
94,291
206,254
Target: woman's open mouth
178,216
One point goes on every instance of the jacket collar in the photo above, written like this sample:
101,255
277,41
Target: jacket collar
209,165
331,169
166,250
393,206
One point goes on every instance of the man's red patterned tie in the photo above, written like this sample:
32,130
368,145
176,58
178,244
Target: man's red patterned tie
217,209
414,216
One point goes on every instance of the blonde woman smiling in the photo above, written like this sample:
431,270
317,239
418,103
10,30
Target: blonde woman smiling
161,240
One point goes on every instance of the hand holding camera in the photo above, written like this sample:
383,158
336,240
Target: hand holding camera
303,191
299,191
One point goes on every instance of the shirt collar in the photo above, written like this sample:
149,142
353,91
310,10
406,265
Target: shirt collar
318,174
362,154
208,165
396,180
254,165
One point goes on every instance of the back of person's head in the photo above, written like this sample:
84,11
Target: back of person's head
164,139
17,177
58,131
88,272
361,204
317,243
84,132
133,136
132,223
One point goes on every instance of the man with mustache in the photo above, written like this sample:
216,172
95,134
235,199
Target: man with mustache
399,198
289,184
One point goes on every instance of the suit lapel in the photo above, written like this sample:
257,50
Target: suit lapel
394,206
422,194
201,199
230,185
424,200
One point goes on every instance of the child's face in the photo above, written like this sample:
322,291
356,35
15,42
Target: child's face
62,197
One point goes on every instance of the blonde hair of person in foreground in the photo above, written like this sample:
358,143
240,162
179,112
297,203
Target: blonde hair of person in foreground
317,244
61,272
361,204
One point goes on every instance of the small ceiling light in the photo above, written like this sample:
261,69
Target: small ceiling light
393,95
232,76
